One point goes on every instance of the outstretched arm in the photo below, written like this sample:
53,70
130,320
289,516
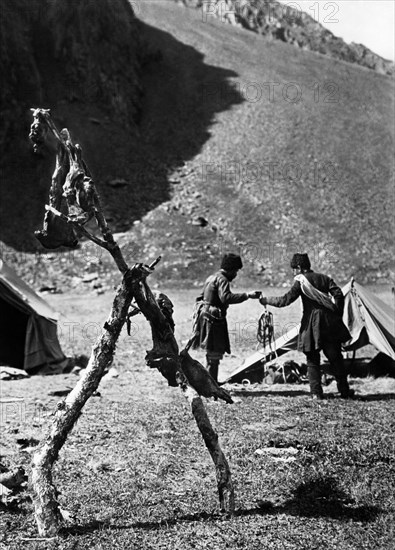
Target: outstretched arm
227,296
285,300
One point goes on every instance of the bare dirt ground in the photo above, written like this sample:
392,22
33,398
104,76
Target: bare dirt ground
134,472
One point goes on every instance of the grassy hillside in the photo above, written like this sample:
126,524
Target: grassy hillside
244,144
313,174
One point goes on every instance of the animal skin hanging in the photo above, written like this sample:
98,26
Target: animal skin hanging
265,331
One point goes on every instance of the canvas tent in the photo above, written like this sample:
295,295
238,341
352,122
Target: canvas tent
28,326
369,320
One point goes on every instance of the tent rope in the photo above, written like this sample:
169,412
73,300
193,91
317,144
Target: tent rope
265,332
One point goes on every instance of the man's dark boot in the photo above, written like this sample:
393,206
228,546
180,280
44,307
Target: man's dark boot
314,376
344,388
212,365
314,373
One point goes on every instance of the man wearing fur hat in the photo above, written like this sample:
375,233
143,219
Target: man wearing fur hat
322,327
210,327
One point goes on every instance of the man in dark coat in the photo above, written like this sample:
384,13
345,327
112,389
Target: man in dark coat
322,327
210,327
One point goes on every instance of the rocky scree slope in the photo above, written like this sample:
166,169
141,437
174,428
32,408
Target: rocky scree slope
276,174
277,21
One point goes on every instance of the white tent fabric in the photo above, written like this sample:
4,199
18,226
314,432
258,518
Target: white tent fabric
369,320
25,293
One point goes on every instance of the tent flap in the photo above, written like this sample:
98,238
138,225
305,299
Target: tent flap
28,337
41,343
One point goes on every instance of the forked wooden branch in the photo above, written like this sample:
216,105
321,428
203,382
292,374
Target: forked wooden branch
72,174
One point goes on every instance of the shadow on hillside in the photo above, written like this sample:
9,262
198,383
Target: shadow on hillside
376,397
298,393
145,525
276,393
181,96
317,498
323,498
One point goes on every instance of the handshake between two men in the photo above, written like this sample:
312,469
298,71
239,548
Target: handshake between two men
257,295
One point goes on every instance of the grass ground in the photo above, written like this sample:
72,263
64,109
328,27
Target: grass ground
277,149
134,473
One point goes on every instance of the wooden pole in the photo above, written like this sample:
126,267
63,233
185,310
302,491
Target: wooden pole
178,368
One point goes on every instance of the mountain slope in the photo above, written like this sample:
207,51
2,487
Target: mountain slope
243,144
80,59
309,140
290,24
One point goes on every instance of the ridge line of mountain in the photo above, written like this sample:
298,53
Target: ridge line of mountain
277,21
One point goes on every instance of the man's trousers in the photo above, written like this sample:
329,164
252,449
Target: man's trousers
332,352
213,359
